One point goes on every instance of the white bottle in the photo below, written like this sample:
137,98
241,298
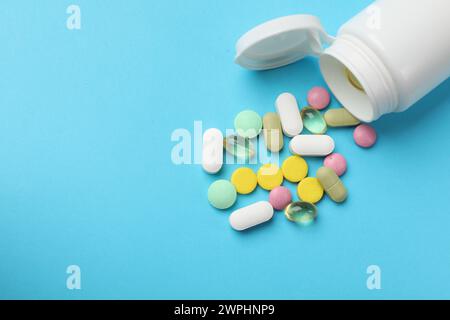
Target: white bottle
383,60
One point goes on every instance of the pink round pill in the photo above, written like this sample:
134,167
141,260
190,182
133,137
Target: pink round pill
336,162
365,136
318,98
280,198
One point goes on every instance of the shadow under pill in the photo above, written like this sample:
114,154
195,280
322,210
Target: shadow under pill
303,72
253,230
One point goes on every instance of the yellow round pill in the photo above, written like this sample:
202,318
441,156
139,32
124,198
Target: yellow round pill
270,176
244,180
294,168
310,190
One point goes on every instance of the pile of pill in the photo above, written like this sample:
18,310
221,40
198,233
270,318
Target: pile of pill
290,121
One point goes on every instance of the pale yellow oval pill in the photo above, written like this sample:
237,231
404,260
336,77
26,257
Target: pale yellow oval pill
269,176
294,168
244,180
340,117
310,190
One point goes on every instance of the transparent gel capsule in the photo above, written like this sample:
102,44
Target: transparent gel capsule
313,121
303,213
241,148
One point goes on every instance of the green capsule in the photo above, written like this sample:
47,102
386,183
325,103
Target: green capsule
332,185
313,121
239,147
303,213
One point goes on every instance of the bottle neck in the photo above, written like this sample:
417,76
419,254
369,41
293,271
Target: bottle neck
358,78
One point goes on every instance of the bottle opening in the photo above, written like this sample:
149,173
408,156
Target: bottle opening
347,88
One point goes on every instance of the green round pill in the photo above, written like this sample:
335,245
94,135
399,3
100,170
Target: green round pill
222,194
248,124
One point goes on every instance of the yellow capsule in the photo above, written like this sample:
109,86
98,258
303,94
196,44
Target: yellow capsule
273,133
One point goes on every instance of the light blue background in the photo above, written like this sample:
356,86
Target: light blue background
86,176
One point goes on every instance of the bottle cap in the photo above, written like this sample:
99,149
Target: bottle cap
280,42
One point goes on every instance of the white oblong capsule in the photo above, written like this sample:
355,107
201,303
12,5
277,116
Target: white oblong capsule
212,152
291,120
251,215
312,145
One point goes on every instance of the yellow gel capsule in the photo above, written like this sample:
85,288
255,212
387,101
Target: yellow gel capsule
270,176
294,168
244,180
353,80
310,190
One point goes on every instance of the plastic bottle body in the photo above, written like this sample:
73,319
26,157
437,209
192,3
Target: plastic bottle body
396,50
